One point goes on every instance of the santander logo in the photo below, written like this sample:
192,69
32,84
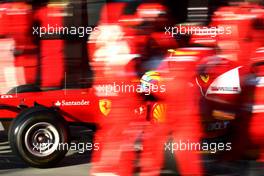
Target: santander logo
72,103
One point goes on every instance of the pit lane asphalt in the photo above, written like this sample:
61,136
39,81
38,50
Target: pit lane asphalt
77,164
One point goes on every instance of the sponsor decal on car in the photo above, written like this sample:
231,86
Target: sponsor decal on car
231,89
219,125
227,83
72,103
105,106
204,78
221,115
6,96
159,112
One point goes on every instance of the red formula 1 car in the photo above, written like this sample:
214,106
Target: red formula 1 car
41,120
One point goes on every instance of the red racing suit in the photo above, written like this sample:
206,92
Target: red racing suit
50,18
181,125
116,87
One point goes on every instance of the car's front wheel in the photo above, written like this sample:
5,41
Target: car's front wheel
39,136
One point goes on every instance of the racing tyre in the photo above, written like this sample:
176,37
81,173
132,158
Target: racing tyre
37,135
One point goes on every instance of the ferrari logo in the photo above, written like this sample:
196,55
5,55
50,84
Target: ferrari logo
105,106
205,78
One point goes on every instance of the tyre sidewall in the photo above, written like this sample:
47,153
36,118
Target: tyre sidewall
23,122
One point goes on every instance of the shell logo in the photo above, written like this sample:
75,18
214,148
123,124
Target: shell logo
159,112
